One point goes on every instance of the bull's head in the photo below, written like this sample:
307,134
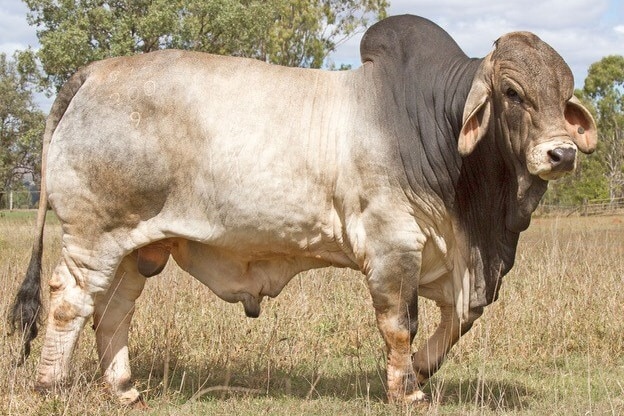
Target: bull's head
525,87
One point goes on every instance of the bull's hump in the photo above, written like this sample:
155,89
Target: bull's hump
398,37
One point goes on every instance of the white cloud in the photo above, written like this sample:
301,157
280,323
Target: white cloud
582,31
8,48
527,13
15,33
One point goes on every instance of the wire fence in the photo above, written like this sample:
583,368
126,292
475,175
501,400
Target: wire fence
588,208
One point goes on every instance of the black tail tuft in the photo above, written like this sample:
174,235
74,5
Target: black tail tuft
24,315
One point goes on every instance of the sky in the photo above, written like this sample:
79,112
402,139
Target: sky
582,31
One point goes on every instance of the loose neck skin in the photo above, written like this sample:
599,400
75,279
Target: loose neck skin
495,196
434,99
488,194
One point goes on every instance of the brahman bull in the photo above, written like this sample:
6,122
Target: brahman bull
420,169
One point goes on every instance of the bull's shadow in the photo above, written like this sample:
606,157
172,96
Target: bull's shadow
224,381
219,380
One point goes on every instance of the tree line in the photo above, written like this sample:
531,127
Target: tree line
599,176
287,32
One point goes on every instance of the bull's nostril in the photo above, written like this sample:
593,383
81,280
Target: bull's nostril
562,158
555,155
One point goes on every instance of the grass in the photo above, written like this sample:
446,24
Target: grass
552,344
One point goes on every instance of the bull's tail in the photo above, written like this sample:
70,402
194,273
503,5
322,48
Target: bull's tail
26,310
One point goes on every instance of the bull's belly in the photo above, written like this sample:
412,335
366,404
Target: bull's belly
245,273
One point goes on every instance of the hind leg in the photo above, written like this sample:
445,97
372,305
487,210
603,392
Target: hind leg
73,285
111,321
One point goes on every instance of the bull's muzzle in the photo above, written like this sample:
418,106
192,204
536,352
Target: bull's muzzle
552,159
562,159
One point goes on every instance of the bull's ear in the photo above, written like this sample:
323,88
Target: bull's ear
476,117
477,109
581,126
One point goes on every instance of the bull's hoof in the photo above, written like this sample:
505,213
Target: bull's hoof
415,398
44,388
139,404
132,398
41,388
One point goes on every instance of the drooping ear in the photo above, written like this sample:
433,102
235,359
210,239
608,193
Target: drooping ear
476,111
581,126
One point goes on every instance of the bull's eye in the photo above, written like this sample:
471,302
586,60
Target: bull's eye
513,95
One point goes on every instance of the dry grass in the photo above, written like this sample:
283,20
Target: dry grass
553,343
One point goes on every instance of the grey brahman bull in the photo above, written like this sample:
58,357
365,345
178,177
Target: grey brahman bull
420,169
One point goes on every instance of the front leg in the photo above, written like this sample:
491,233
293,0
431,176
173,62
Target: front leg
393,284
432,353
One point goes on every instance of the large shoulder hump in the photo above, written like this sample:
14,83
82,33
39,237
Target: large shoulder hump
398,37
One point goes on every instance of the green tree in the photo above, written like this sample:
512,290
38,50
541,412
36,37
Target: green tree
588,182
604,86
73,33
600,175
21,123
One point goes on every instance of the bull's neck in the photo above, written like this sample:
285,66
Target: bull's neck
435,100
457,83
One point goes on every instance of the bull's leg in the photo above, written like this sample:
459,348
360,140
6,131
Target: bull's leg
393,289
429,357
111,321
398,328
72,288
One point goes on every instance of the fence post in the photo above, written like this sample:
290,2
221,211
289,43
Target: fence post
11,201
